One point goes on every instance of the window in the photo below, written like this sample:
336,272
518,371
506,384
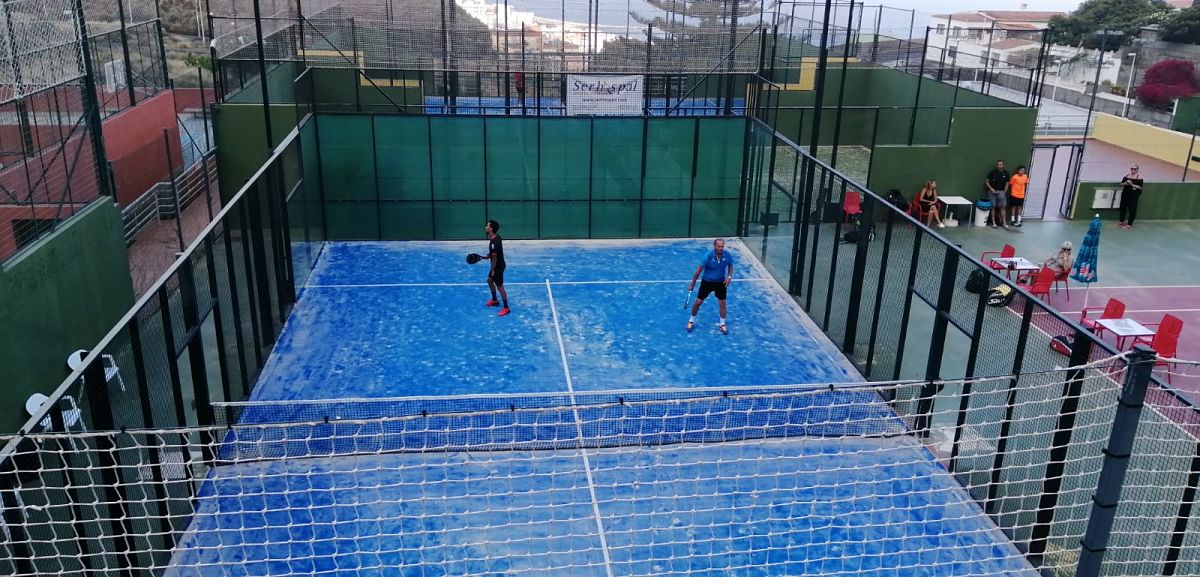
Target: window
941,29
957,32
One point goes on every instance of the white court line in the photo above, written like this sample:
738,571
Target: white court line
587,466
478,283
1137,311
1175,286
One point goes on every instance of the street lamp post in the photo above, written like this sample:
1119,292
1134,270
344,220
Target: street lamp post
1087,126
1129,84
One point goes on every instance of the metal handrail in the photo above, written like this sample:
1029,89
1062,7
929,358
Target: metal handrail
96,353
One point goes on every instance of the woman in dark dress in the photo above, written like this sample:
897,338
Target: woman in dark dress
1131,192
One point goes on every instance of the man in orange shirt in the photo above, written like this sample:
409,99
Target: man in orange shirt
1016,195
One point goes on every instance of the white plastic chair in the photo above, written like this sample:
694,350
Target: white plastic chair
71,417
111,371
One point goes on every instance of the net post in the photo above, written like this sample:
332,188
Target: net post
1181,518
1081,351
1116,461
937,342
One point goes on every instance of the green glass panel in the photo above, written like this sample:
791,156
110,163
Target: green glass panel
457,158
564,219
714,217
719,159
347,161
565,154
665,218
402,157
512,158
351,220
314,215
669,157
458,220
717,188
615,219
518,219
617,158
406,220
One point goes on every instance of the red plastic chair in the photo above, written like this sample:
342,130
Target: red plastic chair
915,211
1114,309
851,204
1008,251
1042,283
1063,277
1165,340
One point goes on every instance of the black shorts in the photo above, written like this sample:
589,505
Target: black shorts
497,276
707,287
1014,201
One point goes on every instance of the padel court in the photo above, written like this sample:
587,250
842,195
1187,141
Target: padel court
401,427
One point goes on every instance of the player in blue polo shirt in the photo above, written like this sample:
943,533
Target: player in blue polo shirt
715,272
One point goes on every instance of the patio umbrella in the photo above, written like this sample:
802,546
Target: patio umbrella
1084,269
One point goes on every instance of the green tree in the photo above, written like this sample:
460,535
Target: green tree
1126,16
1183,26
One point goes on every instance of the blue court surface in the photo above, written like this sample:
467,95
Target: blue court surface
408,319
401,428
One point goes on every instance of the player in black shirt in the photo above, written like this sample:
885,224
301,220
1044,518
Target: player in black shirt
496,257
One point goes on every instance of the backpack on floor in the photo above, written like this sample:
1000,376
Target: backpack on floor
1062,345
977,281
852,236
1000,296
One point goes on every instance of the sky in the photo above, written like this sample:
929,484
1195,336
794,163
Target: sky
937,6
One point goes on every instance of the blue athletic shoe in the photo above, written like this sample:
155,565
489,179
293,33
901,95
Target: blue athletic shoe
691,325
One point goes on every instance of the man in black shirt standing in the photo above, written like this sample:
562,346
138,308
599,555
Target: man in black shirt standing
495,257
997,185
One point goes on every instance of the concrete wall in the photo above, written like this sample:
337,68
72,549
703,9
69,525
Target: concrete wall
978,138
61,294
239,131
1159,201
133,143
1161,143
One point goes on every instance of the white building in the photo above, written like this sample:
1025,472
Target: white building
985,38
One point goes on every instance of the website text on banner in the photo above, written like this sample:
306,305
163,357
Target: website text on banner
604,95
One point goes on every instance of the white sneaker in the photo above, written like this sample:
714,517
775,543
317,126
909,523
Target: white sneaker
941,225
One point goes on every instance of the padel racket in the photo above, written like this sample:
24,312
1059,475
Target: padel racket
688,301
473,258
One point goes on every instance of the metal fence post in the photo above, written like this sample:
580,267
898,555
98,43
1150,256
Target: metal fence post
125,51
174,190
14,521
1116,461
101,411
92,105
262,76
866,227
912,125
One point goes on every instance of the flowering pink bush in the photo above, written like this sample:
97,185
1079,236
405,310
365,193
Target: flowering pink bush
1167,81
